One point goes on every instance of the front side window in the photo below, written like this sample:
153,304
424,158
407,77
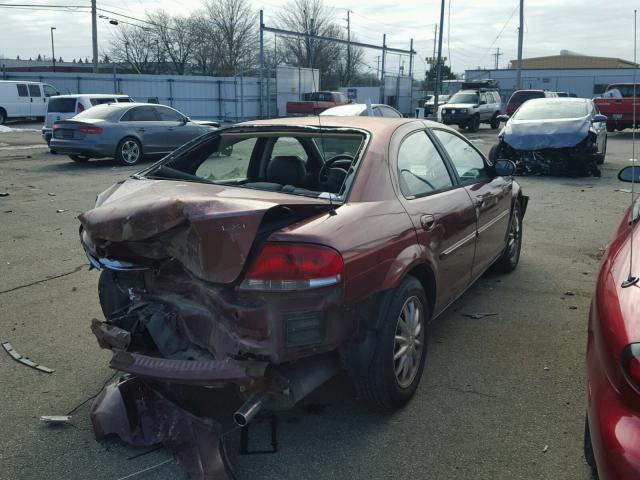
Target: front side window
421,169
140,114
34,90
169,115
467,161
22,90
49,91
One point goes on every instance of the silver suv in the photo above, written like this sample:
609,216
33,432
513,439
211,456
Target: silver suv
470,108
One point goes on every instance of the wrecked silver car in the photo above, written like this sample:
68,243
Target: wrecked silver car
554,136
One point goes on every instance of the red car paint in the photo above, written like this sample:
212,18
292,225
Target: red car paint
520,96
613,400
619,111
318,102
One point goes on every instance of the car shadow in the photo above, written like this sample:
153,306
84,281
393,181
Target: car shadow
64,164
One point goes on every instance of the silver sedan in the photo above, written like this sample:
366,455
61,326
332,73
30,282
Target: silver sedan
126,132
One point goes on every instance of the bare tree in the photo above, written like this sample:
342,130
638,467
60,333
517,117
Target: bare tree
136,47
204,52
315,18
174,38
234,23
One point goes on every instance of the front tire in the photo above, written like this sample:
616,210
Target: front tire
494,153
3,116
401,341
129,151
509,259
474,124
600,157
495,123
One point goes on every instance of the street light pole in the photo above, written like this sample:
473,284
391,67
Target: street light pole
53,50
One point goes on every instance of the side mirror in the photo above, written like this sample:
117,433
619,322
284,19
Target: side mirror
504,167
503,118
185,120
599,118
629,174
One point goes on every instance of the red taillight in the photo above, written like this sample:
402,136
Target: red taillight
90,129
283,266
80,108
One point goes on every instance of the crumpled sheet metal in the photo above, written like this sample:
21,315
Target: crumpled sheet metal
537,135
141,418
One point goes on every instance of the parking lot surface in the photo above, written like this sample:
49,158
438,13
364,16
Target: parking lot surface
502,397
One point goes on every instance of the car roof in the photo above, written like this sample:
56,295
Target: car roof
125,105
559,100
374,125
92,95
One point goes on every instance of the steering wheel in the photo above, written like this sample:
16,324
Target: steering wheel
324,175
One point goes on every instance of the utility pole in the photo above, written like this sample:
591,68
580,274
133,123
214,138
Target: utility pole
520,31
433,58
94,35
348,45
439,61
384,55
378,67
497,55
261,65
53,50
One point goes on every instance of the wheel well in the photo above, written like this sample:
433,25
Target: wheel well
428,280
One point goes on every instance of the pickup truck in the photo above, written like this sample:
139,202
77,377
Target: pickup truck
316,102
618,106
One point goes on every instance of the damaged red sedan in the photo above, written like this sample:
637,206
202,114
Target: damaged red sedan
270,255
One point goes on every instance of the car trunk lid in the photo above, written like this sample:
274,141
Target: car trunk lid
209,229
75,130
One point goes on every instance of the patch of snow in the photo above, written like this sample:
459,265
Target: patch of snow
5,129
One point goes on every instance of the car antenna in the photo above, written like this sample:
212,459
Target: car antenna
332,210
632,279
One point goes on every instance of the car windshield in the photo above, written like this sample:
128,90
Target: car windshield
521,97
464,97
551,110
294,162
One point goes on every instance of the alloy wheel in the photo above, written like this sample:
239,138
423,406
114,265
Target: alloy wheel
514,235
130,152
409,342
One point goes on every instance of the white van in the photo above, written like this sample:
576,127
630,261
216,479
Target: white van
64,107
20,99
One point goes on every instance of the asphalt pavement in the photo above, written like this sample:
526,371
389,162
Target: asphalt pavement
502,397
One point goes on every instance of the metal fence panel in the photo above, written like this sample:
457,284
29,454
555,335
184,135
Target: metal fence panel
224,98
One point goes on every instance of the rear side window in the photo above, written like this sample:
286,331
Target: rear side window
22,90
62,105
521,97
123,99
231,162
34,90
421,169
100,101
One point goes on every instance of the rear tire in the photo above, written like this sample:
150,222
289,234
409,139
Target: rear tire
509,259
495,123
461,127
474,124
129,151
3,116
401,341
78,158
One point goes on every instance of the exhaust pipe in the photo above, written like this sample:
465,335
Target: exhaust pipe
250,409
299,379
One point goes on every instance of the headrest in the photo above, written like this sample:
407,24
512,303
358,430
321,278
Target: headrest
287,170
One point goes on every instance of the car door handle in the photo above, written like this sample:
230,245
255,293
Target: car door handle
141,129
428,222
170,129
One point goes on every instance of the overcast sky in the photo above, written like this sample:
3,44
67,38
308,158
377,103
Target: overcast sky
584,26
